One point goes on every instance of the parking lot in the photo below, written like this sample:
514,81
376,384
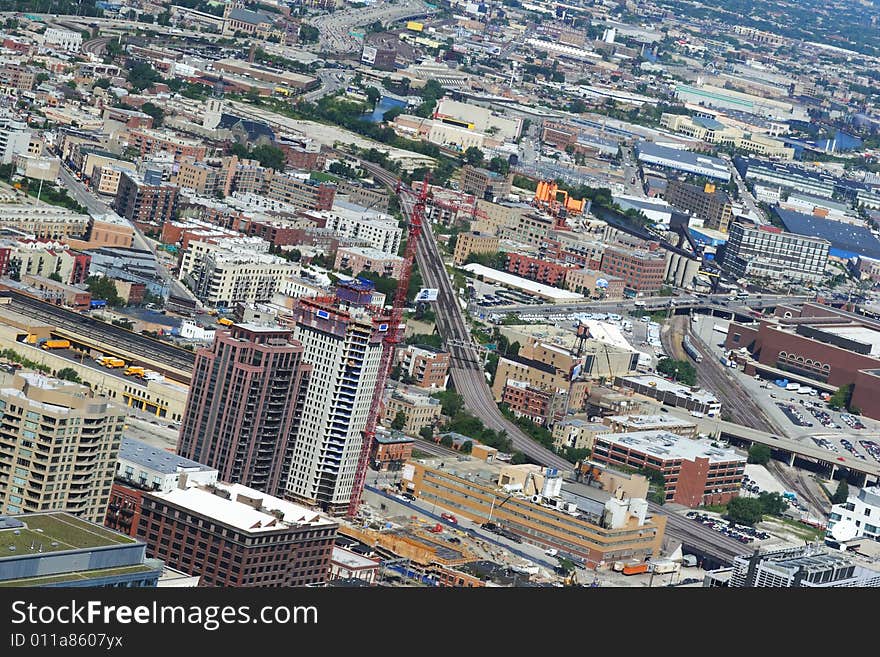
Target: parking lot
800,416
742,533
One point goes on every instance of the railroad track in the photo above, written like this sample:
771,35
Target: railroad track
734,398
796,483
107,333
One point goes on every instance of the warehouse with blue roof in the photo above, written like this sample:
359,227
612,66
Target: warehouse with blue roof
847,240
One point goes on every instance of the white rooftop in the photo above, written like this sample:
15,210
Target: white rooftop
240,515
859,334
644,422
545,291
666,445
351,559
660,383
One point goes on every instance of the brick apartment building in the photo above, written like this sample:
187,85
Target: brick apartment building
428,367
485,184
145,201
473,242
537,269
301,192
711,205
232,535
526,401
643,271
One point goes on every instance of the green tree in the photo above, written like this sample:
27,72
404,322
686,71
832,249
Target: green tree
745,510
269,156
466,447
842,397
399,421
155,111
308,33
772,504
103,83
373,95
474,156
141,75
759,454
842,493
68,374
680,370
450,402
426,433
446,441
55,276
103,288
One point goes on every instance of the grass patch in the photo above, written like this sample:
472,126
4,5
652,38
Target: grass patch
77,576
801,530
419,454
715,508
70,533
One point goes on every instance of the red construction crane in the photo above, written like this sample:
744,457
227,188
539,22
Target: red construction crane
392,339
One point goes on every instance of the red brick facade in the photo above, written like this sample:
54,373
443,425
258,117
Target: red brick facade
124,511
642,271
225,556
536,269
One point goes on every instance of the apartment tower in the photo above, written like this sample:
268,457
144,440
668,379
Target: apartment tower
58,446
245,404
342,340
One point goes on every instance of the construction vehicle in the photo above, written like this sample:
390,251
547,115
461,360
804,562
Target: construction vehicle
133,370
55,344
393,337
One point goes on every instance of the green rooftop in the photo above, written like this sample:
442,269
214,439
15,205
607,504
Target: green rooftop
77,576
65,531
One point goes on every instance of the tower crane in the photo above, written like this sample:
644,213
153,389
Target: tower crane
392,339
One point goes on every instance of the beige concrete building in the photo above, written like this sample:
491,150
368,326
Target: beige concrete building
576,433
473,242
105,178
421,410
492,217
44,221
587,282
58,446
715,132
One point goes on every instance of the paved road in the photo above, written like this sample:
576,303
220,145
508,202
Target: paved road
330,83
81,195
97,207
334,29
714,301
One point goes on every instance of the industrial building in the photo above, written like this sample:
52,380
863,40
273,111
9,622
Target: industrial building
695,472
845,240
58,549
674,394
41,413
233,535
576,433
817,343
538,290
667,423
682,160
531,503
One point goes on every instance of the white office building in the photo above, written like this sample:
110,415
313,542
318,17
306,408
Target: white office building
862,511
62,40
